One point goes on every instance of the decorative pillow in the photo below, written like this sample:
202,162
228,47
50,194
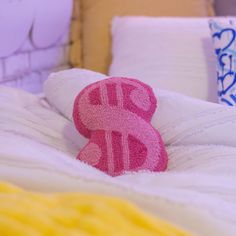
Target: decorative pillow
224,37
169,53
115,115
97,15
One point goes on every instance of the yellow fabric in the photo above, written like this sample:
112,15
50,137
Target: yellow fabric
25,213
97,15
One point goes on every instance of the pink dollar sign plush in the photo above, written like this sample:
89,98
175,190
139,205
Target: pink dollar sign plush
115,114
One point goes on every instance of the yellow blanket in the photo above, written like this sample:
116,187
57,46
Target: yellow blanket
25,213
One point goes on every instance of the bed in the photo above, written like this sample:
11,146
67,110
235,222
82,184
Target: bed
39,146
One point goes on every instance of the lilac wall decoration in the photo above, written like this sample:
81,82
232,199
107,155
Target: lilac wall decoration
51,20
16,19
34,41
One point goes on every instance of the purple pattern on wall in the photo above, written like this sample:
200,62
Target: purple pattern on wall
35,39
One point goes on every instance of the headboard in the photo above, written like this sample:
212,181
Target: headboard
37,35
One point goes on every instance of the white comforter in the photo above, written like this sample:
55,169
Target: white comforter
198,192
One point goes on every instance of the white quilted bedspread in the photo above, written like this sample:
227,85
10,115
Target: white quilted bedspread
198,192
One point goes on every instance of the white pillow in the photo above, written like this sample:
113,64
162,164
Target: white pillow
181,120
170,53
61,88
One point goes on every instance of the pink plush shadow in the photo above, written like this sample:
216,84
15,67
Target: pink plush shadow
115,114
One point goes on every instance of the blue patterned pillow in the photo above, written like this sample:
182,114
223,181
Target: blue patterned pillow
224,37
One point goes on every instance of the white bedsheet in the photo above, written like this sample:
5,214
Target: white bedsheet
198,192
